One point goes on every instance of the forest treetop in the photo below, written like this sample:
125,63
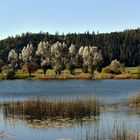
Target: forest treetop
123,46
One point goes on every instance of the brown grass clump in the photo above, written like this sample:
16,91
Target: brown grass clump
104,76
134,100
65,76
83,76
52,109
127,76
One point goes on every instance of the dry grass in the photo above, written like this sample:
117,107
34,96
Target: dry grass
118,76
65,76
45,77
127,76
83,76
117,133
134,100
52,109
131,73
104,76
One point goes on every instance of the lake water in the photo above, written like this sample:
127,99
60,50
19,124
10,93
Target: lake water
110,91
21,131
107,90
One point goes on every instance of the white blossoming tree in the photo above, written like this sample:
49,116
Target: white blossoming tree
13,59
116,64
12,56
57,57
9,70
92,58
43,51
27,57
80,51
72,53
27,53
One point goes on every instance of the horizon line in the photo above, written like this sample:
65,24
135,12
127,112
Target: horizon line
63,33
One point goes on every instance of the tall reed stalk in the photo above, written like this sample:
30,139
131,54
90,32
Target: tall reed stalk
39,108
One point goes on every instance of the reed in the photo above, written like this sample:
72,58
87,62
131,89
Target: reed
42,109
134,100
118,132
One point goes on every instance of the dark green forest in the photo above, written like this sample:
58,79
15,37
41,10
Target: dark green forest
123,46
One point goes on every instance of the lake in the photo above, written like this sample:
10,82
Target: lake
109,91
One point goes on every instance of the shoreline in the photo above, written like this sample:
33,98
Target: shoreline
100,76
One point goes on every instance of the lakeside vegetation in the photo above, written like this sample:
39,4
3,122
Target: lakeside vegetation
119,132
63,112
98,56
134,100
43,109
58,108
123,46
130,73
103,56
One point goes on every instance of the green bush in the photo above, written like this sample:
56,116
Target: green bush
7,73
91,69
57,68
70,67
111,70
85,69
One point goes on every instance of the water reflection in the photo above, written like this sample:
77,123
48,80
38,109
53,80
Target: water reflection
122,118
110,91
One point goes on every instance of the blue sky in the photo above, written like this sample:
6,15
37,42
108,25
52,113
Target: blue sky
17,16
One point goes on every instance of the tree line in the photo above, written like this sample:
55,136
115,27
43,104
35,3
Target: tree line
123,46
57,56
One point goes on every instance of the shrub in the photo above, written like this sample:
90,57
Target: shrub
30,67
114,68
85,69
7,73
45,65
70,67
91,69
1,64
111,70
58,69
116,64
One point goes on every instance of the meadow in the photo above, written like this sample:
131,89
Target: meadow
130,73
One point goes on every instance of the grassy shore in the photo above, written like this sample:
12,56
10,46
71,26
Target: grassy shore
130,73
